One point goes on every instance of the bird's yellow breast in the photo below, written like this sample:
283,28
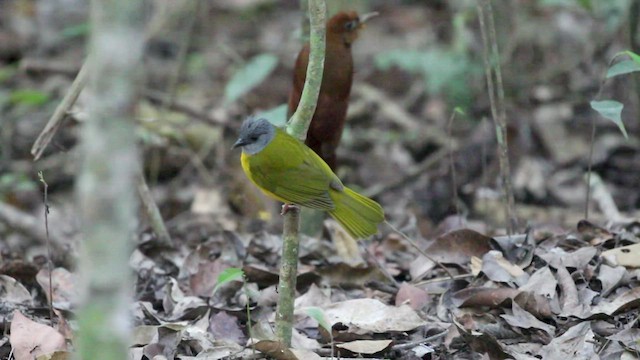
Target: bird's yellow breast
245,160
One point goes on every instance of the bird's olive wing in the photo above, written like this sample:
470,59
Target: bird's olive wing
304,184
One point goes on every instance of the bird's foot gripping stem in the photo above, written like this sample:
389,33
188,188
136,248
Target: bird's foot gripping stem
289,207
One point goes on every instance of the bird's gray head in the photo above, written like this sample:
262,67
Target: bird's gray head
255,134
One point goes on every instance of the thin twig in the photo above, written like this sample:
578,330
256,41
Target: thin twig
496,97
60,113
442,279
592,140
454,183
153,213
46,228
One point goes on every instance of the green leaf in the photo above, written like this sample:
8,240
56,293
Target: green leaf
586,4
623,67
227,276
76,30
635,57
276,115
249,76
611,110
28,97
318,315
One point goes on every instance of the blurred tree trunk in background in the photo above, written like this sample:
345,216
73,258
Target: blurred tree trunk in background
106,182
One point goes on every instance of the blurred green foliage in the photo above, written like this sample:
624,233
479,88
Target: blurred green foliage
15,182
249,76
78,30
28,97
446,70
228,275
276,115
611,109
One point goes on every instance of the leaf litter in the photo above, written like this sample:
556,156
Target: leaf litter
566,288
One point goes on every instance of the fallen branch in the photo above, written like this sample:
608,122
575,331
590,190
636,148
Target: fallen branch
60,113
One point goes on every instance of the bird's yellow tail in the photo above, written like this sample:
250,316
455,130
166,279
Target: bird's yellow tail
357,214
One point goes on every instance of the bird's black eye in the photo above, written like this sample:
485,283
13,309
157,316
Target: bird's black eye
351,25
253,138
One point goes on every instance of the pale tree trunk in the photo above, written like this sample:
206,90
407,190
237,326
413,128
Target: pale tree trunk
106,182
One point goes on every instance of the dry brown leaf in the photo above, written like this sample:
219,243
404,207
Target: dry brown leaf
367,347
30,339
275,349
305,354
65,293
525,320
576,343
541,282
629,337
578,259
413,296
313,297
628,256
363,316
346,245
226,327
499,269
538,305
143,335
610,278
594,234
205,279
570,299
344,275
625,301
177,306
14,292
458,246
482,296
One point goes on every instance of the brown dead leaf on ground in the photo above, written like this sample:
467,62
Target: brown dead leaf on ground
30,339
525,320
458,246
576,343
413,296
627,256
364,347
65,287
363,316
14,292
482,296
499,269
627,300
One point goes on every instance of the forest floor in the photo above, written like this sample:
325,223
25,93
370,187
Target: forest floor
564,286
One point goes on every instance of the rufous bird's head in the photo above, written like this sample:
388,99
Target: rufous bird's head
344,26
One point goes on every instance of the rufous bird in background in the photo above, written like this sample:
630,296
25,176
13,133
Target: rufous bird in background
327,124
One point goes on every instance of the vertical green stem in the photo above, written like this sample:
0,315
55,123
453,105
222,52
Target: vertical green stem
300,120
106,181
298,126
288,272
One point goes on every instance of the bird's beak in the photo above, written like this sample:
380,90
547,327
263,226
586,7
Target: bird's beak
238,143
366,17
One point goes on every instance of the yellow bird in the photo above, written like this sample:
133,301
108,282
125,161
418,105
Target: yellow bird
287,170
